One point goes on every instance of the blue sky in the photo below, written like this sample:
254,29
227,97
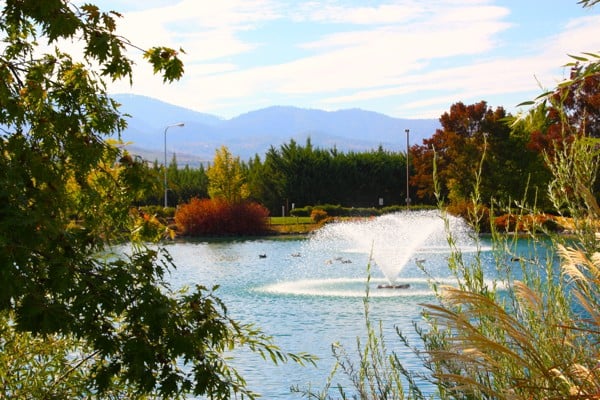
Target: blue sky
405,58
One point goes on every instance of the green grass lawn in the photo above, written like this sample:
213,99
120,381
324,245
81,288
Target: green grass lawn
292,224
290,220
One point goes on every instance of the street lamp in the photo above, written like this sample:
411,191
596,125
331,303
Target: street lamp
179,124
407,162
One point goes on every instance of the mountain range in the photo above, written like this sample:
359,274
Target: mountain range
253,133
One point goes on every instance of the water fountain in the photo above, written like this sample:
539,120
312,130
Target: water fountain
339,252
393,239
308,292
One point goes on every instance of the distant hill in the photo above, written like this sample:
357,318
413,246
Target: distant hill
255,132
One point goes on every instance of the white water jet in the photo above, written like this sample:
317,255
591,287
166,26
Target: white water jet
392,239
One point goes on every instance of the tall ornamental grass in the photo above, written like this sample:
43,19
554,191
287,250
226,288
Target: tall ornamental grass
530,332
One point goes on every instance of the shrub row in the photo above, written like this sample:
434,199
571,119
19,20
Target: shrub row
214,217
507,222
527,223
339,211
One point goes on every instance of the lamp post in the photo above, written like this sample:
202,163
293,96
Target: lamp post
407,163
179,124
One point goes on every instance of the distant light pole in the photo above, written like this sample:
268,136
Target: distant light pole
179,124
407,162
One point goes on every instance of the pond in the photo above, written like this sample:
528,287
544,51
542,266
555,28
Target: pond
308,292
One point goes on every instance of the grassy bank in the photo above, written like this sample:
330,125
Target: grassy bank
292,225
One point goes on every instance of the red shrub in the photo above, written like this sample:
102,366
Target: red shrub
508,223
526,223
206,217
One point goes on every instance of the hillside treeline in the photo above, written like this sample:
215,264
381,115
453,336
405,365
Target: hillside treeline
502,153
296,175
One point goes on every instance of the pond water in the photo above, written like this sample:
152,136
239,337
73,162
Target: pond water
308,292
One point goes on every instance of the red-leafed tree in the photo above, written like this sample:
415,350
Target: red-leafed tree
458,147
571,112
572,109
469,131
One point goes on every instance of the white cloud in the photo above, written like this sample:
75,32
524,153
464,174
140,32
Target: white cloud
374,57
205,33
363,15
489,77
397,50
579,35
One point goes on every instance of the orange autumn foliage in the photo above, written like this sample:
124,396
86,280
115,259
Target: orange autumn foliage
526,223
217,217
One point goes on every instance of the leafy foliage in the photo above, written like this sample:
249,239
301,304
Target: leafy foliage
466,130
588,3
539,339
66,198
185,183
570,111
226,178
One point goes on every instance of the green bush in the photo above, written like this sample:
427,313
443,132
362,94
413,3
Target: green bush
159,211
301,211
333,210
339,211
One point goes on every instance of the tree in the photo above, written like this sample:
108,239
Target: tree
226,178
570,111
265,183
306,175
191,183
469,131
65,198
458,146
184,183
516,344
363,178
